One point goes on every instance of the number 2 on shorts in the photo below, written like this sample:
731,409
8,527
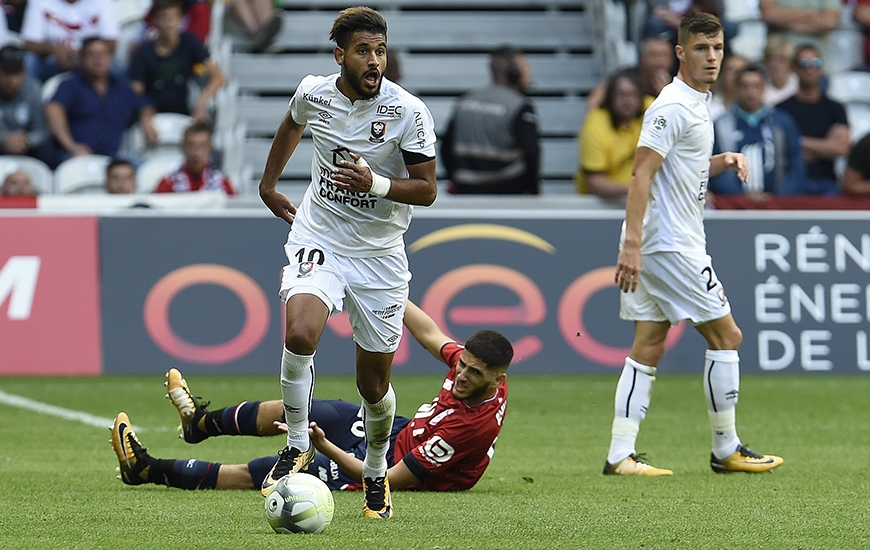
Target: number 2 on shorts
711,284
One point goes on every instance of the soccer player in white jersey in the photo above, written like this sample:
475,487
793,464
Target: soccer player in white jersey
374,157
663,268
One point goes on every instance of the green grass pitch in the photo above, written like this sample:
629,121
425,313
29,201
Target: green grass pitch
544,487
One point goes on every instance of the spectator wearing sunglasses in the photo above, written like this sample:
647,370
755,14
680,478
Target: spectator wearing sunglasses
822,122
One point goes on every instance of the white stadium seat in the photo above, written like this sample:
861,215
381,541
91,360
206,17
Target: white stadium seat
81,174
849,86
156,168
170,133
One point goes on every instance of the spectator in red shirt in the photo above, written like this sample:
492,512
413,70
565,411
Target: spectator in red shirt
197,173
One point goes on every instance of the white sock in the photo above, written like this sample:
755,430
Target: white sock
297,387
633,394
722,389
378,422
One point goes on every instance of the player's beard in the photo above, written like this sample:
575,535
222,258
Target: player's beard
474,394
356,84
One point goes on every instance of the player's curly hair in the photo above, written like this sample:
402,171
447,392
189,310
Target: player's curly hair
697,23
356,19
491,347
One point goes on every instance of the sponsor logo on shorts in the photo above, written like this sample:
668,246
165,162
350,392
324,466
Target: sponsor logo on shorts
388,312
379,129
305,269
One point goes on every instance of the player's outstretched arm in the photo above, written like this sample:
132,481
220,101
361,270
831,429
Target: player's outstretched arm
399,475
419,188
425,330
283,145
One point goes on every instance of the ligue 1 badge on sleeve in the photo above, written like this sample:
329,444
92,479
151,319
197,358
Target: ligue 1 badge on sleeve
305,269
660,123
379,128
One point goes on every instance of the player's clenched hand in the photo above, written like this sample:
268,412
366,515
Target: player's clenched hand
279,204
627,269
353,176
738,163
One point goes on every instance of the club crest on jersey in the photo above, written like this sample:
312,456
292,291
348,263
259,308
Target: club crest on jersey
379,128
305,270
660,123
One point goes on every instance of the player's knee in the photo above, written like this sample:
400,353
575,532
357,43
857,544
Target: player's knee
373,390
727,339
648,353
733,338
300,342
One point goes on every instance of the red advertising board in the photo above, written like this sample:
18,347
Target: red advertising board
49,296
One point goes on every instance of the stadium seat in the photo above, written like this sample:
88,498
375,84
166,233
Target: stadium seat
742,10
569,44
41,175
474,30
131,11
81,174
849,86
154,169
170,133
423,74
845,51
750,40
556,115
49,87
129,35
859,120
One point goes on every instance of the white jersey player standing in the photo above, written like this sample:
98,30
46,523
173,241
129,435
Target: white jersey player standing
374,157
663,268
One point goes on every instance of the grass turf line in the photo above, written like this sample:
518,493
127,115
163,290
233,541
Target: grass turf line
544,488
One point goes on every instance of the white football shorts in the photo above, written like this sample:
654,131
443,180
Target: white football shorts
674,286
375,290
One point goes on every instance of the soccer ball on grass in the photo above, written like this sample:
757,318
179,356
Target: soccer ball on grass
299,503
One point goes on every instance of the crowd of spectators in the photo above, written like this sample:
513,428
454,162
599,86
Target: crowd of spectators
65,90
777,112
64,93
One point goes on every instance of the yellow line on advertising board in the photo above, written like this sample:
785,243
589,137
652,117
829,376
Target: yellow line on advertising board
481,231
